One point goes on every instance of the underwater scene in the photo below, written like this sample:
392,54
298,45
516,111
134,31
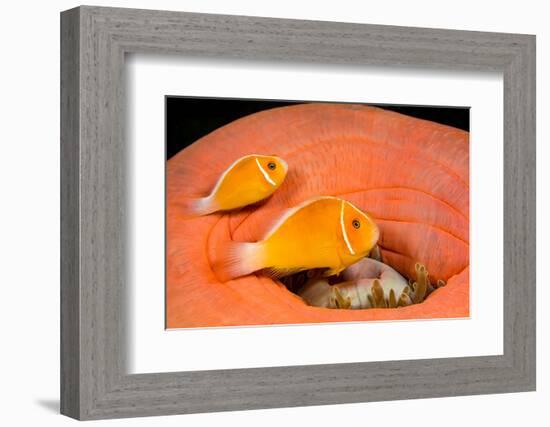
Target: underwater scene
296,212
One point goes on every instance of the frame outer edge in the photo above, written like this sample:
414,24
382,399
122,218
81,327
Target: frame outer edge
531,106
70,397
526,80
520,215
90,387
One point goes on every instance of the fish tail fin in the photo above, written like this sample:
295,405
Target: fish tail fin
238,259
196,206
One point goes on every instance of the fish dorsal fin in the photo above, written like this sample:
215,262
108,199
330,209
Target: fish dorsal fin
230,168
289,212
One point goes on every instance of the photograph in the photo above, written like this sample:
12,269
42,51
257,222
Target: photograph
284,212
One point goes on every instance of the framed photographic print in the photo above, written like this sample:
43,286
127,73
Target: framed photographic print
261,213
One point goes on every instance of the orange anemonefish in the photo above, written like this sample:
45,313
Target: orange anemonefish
323,232
248,180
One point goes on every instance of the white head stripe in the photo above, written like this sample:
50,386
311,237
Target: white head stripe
344,229
265,174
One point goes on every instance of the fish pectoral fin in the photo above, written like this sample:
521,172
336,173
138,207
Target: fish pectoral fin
375,253
332,272
277,273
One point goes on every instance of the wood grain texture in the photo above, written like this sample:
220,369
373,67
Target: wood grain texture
70,220
94,382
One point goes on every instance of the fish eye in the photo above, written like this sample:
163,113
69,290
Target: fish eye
272,166
356,223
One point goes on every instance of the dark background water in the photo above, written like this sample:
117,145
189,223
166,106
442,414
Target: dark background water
190,118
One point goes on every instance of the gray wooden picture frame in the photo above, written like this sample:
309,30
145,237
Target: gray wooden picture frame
94,381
